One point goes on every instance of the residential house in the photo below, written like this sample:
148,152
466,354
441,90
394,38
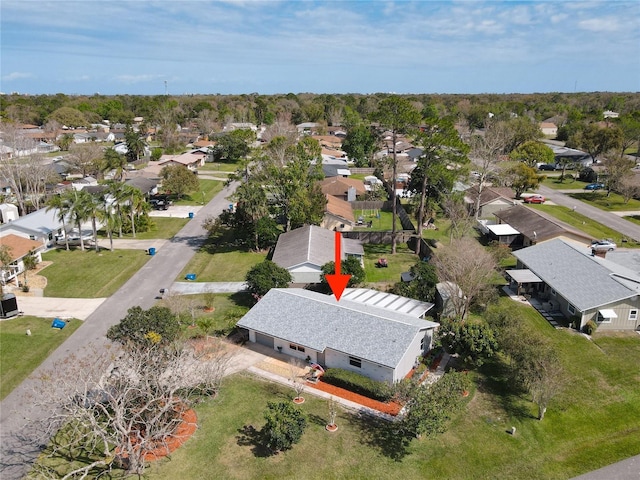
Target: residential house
492,199
549,129
535,227
335,170
146,185
569,279
42,226
570,156
379,343
192,159
343,188
18,247
305,250
338,215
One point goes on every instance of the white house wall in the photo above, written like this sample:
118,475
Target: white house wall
334,359
622,309
411,355
305,273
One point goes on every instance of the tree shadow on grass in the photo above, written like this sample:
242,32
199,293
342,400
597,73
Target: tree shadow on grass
387,437
249,436
499,383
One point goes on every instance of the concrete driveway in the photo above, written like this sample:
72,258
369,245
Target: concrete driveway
51,307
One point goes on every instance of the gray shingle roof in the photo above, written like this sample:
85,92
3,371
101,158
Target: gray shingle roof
582,279
318,322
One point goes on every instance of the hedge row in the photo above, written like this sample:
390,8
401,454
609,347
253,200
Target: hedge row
357,383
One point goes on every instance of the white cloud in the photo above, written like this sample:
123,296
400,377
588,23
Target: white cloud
606,24
16,76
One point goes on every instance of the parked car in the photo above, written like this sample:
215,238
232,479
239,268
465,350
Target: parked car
594,186
546,166
603,245
534,199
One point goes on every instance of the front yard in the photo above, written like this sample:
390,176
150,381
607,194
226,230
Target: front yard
208,189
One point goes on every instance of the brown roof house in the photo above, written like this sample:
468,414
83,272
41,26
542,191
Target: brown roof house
338,215
534,227
343,188
492,199
305,250
18,248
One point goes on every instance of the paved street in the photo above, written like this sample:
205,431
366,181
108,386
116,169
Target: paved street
609,219
20,444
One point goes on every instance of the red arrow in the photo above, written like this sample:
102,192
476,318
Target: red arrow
336,281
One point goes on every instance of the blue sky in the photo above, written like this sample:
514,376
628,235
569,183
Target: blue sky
332,46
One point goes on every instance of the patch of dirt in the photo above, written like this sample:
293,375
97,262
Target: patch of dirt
390,408
34,280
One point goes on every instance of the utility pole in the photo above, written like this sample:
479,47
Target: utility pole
166,88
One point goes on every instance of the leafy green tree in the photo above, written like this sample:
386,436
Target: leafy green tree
265,276
178,180
474,342
284,425
630,128
348,266
399,116
423,284
6,259
532,153
360,145
144,328
432,406
521,130
266,233
443,156
233,146
69,117
521,177
64,142
29,261
252,205
597,140
156,153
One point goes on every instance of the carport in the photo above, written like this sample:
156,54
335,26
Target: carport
523,276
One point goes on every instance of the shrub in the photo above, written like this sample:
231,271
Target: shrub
285,425
357,383
590,327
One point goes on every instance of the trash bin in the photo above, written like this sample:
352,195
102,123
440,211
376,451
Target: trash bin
152,251
190,214
57,323
191,276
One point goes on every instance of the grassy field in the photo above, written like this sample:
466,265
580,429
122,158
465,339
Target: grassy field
612,203
20,354
633,218
89,275
213,167
595,421
163,227
220,260
398,263
210,188
583,223
384,222
553,181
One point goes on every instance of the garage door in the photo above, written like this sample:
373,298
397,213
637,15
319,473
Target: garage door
263,339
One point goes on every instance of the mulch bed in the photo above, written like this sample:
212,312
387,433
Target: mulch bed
182,434
390,408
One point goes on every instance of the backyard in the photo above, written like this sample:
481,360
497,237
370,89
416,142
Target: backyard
583,430
398,263
21,353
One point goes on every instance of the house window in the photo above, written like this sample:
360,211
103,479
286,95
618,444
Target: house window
293,346
355,362
32,237
572,309
633,314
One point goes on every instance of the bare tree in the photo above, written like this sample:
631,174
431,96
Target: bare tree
629,187
457,213
86,157
485,153
297,381
466,269
119,407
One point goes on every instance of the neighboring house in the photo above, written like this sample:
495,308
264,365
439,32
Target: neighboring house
147,186
570,156
582,286
338,215
42,226
492,200
549,129
192,159
19,247
343,188
375,342
534,227
8,212
81,183
305,250
332,170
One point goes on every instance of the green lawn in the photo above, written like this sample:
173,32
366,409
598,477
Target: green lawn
595,421
398,263
87,274
384,222
633,218
612,203
219,167
210,188
583,223
20,353
220,260
553,181
163,227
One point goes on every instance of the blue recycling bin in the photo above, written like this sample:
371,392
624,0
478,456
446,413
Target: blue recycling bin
191,276
190,214
152,251
57,323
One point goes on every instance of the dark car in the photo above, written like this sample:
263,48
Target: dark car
594,186
546,166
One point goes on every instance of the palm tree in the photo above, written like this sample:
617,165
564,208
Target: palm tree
114,161
252,203
119,197
62,207
108,213
136,206
81,209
